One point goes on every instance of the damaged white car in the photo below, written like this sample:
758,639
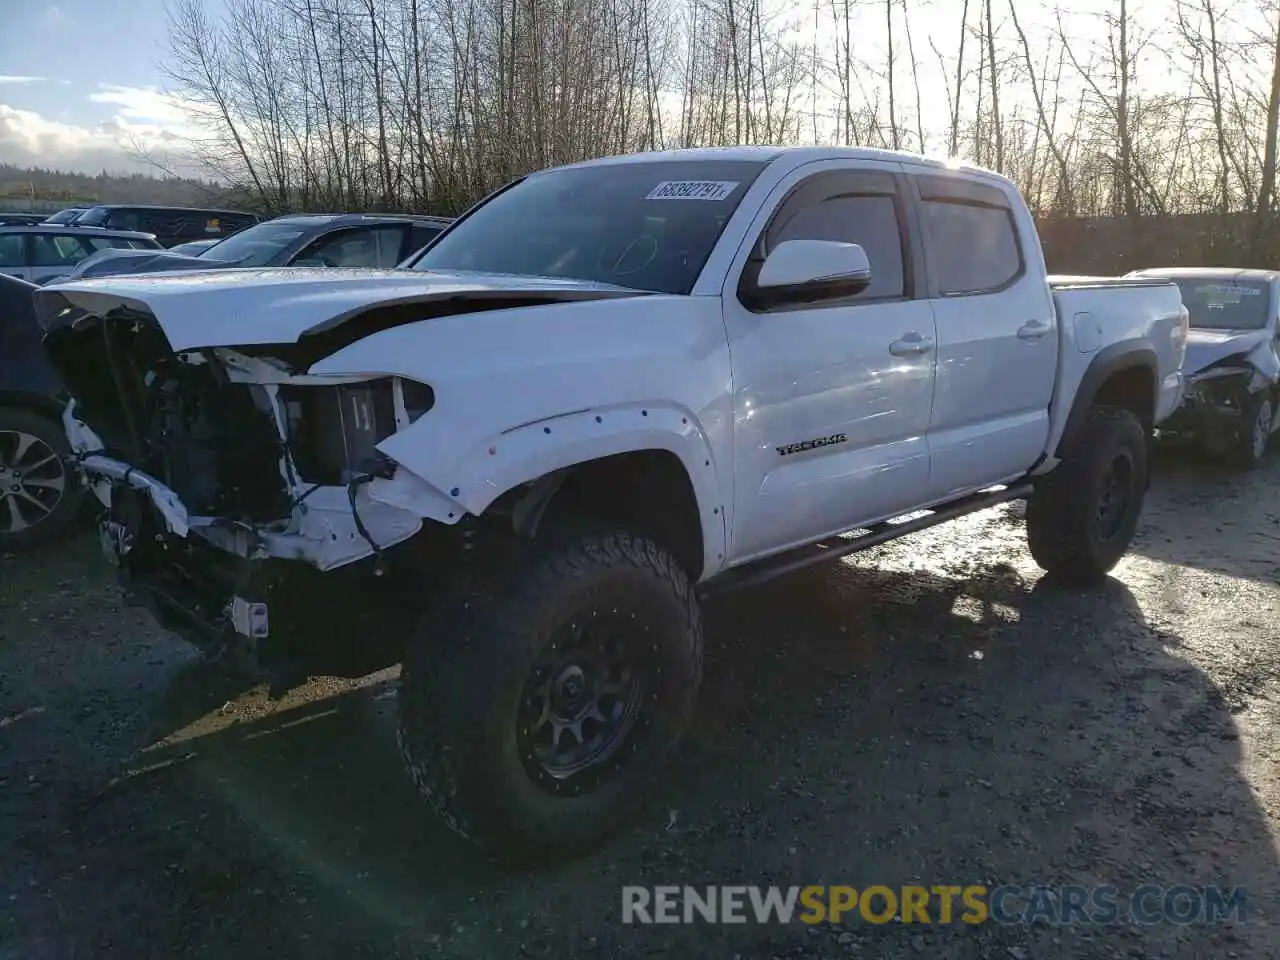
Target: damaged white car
1232,366
607,390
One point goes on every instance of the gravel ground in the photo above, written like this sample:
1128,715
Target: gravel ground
931,712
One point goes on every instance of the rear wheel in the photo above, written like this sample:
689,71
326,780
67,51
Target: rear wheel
1081,518
537,708
39,495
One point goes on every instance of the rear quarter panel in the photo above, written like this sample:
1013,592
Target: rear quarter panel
1101,316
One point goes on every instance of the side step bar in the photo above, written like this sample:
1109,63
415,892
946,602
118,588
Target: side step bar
798,558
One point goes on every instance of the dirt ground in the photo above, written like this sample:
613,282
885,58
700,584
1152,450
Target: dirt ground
930,712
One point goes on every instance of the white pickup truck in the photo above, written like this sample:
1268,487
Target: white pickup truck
606,391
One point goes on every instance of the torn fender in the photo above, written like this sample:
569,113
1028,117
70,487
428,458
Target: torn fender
1265,361
537,449
522,393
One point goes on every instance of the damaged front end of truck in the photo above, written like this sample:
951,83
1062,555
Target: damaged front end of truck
231,478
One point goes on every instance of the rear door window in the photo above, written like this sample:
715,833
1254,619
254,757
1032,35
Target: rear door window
971,239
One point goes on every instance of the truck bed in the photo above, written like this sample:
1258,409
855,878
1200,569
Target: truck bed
1096,311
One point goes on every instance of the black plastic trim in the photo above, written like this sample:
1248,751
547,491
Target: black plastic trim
798,558
1110,360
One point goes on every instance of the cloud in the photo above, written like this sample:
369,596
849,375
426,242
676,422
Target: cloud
10,78
144,121
143,105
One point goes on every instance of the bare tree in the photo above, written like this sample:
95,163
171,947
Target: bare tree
1263,214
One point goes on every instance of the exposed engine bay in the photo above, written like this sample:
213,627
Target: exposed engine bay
213,466
261,462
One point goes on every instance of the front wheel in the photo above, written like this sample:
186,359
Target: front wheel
39,495
1256,423
1081,517
537,708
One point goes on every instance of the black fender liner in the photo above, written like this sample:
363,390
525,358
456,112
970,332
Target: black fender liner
529,510
1110,360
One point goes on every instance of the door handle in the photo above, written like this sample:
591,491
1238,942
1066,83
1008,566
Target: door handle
1033,330
910,345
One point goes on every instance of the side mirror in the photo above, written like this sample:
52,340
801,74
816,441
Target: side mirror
809,271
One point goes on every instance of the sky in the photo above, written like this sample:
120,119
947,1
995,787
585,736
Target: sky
80,85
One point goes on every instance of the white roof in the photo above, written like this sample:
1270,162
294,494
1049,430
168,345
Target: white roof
792,156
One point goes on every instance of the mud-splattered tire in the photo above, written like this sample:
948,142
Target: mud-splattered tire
495,667
1082,516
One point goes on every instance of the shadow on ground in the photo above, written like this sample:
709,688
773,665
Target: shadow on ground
858,725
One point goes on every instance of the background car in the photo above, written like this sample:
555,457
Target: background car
1232,366
171,225
316,240
39,495
44,252
19,219
68,215
193,247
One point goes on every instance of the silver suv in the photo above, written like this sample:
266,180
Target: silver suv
46,252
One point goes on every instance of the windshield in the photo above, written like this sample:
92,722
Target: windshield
93,217
256,246
645,225
64,216
1225,304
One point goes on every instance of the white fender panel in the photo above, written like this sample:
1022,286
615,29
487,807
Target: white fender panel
649,373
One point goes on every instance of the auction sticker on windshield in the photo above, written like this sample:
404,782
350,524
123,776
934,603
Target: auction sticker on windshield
692,190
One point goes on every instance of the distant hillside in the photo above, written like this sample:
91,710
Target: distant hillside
38,189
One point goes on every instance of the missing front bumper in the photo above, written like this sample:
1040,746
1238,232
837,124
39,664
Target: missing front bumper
249,598
211,598
323,531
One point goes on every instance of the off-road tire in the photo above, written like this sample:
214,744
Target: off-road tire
464,676
1244,452
19,420
1065,532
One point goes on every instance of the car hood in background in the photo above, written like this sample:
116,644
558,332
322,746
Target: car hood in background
1207,347
114,262
247,306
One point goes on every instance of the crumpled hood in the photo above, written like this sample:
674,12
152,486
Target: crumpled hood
243,306
1207,347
